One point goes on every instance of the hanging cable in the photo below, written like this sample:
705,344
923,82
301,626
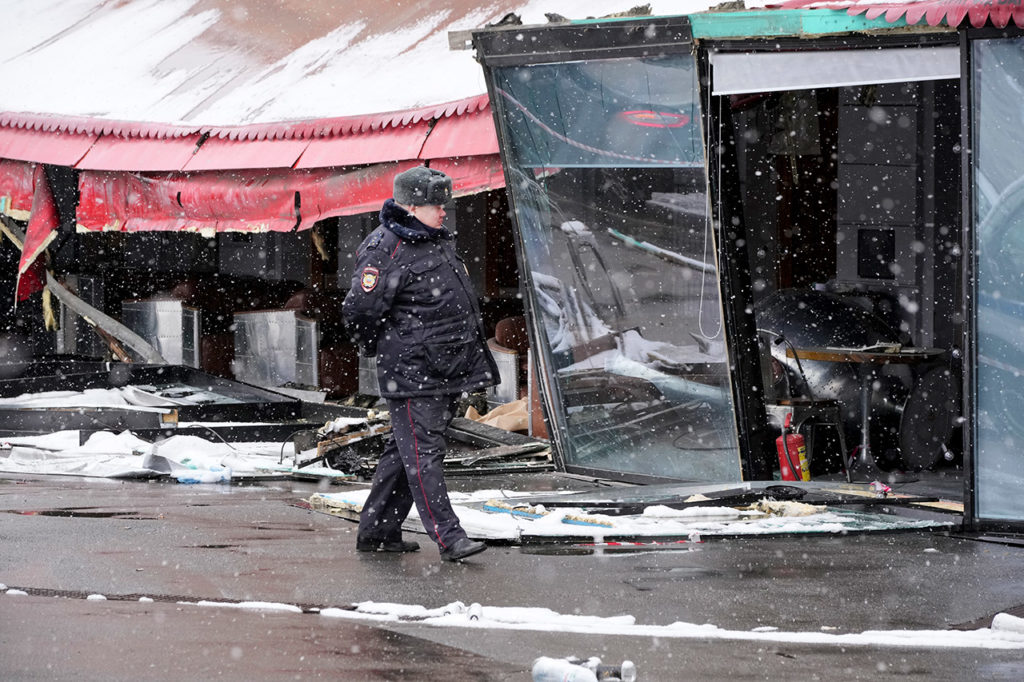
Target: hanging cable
707,234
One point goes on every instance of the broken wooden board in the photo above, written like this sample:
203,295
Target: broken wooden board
895,498
473,449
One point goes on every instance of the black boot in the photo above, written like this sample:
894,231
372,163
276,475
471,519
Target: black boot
368,545
461,549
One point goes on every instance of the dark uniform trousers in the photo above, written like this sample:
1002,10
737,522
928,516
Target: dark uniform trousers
410,472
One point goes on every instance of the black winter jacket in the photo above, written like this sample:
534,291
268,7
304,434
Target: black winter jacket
412,305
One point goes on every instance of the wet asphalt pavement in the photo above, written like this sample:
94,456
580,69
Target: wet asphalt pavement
66,538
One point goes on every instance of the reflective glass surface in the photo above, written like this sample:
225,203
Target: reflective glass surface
998,101
609,190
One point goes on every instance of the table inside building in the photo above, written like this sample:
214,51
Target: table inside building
867,362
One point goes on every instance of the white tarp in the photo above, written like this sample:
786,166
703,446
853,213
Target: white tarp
187,459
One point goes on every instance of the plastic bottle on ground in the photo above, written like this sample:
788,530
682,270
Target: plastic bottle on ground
624,672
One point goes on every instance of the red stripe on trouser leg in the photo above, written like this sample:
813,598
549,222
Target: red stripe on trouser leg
423,490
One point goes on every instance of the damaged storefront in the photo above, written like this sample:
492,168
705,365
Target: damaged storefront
730,220
231,233
209,265
722,225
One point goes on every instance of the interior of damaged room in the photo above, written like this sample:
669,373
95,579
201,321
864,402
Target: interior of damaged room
833,261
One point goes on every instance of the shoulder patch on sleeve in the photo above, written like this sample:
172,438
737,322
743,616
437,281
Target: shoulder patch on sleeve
368,280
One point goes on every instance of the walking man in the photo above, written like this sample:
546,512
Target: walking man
411,305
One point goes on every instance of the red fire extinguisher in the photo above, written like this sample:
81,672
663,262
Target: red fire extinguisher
792,453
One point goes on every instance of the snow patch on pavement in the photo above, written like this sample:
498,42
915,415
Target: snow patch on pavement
1004,633
253,605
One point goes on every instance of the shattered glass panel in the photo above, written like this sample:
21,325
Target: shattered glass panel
998,100
610,199
612,112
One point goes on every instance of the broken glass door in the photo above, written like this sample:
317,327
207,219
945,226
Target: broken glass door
607,180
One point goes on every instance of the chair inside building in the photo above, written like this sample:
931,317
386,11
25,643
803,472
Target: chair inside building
787,391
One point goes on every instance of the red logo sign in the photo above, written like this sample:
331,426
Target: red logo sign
656,119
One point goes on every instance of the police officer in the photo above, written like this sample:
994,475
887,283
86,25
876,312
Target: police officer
411,305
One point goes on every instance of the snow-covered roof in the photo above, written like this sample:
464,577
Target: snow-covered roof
240,62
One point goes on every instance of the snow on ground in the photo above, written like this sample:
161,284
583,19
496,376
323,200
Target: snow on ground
490,522
1005,632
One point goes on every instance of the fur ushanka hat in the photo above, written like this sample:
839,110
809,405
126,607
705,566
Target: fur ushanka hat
422,186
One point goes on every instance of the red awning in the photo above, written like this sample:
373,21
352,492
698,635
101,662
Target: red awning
454,129
42,228
385,144
332,194
226,154
242,201
256,201
935,12
140,154
209,202
468,135
17,188
472,174
59,148
25,195
329,194
136,177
